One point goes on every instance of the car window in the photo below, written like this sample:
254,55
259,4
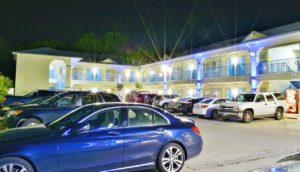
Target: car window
142,117
90,98
110,98
106,119
68,100
207,101
260,98
270,97
279,96
218,101
71,118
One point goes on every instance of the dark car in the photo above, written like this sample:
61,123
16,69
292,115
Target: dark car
103,137
174,104
288,164
187,106
16,100
53,108
8,107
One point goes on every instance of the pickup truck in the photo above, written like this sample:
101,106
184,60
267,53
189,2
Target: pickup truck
247,106
15,100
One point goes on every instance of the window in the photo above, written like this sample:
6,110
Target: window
110,98
141,117
279,96
68,100
90,98
269,97
111,74
260,98
106,119
219,101
89,75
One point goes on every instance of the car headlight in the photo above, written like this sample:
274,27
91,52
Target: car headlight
237,109
14,112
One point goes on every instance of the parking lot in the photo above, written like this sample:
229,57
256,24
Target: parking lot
233,146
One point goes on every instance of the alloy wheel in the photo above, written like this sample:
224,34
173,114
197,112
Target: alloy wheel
12,167
172,159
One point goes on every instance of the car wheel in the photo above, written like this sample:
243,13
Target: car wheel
165,106
279,114
171,158
214,114
30,122
13,164
248,116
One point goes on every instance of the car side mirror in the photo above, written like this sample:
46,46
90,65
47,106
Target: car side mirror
79,128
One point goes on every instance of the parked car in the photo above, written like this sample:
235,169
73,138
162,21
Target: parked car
149,98
187,106
8,107
53,108
288,164
139,97
208,107
163,101
16,100
103,137
248,106
175,103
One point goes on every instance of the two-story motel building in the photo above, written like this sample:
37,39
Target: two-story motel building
261,61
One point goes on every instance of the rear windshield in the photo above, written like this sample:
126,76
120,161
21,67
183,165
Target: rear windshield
110,98
206,101
279,96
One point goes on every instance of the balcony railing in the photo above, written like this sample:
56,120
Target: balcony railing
279,66
83,77
227,71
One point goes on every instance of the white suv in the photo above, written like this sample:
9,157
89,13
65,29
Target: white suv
247,106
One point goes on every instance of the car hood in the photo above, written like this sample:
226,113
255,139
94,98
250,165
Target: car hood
24,134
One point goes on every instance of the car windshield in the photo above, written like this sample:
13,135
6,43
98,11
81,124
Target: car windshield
52,99
244,98
71,118
39,100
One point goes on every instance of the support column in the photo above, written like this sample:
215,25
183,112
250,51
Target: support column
165,84
253,73
119,82
68,77
199,78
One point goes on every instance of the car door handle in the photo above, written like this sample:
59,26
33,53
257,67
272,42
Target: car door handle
266,104
114,133
160,130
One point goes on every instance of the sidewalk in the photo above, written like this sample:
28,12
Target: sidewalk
292,116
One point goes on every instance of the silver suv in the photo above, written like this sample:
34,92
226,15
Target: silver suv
247,106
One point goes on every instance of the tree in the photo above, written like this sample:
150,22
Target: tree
7,63
5,84
88,43
138,85
114,43
49,43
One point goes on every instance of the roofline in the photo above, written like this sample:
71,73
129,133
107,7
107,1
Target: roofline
196,55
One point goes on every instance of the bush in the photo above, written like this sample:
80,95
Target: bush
5,84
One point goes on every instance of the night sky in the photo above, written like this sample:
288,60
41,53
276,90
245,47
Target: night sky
24,21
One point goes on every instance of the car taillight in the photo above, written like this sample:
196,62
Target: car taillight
204,106
196,129
186,104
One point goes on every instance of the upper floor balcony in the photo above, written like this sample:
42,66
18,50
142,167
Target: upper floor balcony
226,71
93,74
279,66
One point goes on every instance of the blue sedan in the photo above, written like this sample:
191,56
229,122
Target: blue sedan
102,137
